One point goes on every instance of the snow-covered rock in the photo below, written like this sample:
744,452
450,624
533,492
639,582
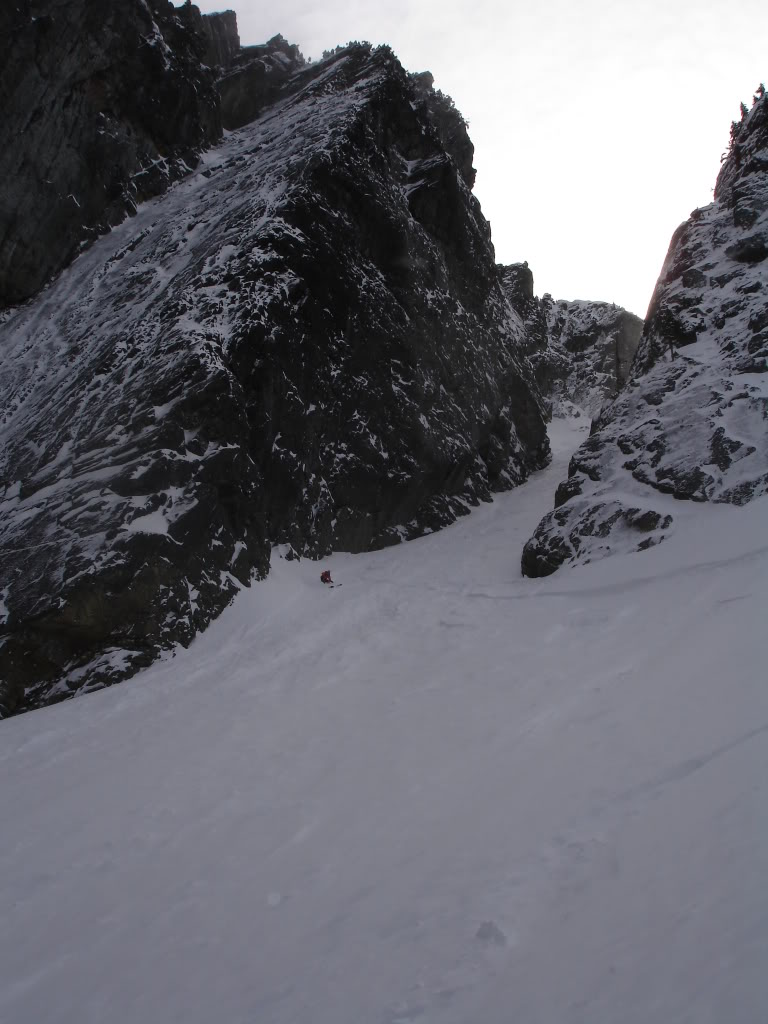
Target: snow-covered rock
692,423
591,348
303,342
104,105
581,350
253,77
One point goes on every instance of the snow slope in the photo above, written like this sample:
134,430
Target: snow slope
442,793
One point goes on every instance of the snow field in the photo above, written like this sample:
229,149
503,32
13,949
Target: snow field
442,793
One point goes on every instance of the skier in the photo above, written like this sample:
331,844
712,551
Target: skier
325,577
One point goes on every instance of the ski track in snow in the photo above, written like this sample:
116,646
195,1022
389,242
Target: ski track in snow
444,794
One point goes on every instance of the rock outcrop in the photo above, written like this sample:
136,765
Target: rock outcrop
104,104
303,342
222,39
581,350
692,423
254,77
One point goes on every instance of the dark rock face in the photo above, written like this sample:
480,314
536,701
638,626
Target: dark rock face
581,351
254,77
599,341
450,125
105,103
517,284
692,423
304,342
222,39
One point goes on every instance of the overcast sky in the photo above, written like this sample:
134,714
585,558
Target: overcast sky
598,125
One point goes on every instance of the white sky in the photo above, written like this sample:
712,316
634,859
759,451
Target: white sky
598,125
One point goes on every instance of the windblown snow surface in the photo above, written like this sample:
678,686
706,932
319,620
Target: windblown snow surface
439,793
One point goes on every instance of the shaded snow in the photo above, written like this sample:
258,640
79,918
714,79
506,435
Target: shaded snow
441,794
152,522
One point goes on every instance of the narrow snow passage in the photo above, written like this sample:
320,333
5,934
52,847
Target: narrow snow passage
439,793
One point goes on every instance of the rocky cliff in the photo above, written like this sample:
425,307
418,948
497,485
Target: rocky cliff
104,104
254,77
303,342
692,423
581,351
